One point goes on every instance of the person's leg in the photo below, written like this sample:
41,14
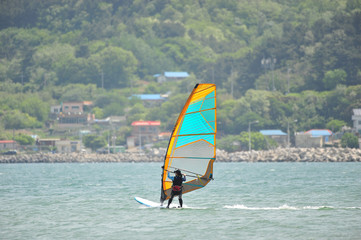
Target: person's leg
170,200
180,200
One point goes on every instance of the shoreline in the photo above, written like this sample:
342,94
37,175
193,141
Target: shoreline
277,155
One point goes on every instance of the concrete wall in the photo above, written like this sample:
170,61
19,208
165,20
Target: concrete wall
307,141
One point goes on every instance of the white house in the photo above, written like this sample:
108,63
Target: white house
171,76
356,118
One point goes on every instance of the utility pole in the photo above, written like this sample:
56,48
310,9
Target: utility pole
288,133
102,75
288,79
249,135
273,63
140,138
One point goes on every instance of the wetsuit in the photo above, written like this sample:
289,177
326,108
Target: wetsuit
176,188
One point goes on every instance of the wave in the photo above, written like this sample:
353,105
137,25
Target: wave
286,207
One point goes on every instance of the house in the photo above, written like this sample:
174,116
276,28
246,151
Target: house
277,135
143,132
164,136
72,114
8,144
324,133
313,138
55,109
67,146
171,76
151,100
356,118
46,144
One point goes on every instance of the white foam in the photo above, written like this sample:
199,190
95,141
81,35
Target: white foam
283,207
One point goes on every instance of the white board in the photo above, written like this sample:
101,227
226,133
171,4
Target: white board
148,203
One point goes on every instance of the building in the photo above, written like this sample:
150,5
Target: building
151,100
110,121
324,133
313,138
164,136
356,118
68,146
8,145
277,135
46,144
71,114
143,132
171,76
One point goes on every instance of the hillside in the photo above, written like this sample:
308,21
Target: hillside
272,60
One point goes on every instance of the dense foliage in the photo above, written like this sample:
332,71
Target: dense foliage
273,61
349,140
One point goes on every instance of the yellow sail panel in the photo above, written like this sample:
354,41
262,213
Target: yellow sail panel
192,147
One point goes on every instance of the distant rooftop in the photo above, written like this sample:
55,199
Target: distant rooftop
319,132
7,141
176,74
272,133
145,97
146,123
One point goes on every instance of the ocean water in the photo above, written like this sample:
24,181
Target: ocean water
245,201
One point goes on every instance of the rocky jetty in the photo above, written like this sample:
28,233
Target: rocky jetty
293,155
277,155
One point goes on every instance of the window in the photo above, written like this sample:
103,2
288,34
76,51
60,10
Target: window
73,148
75,107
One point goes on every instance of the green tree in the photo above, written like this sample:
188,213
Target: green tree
258,141
23,139
17,120
98,112
335,125
333,78
94,142
349,140
35,107
230,143
116,65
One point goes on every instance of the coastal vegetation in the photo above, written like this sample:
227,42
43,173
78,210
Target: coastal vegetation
273,61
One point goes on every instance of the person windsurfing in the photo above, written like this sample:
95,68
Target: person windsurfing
177,187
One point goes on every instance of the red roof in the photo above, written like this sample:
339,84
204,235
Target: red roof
165,134
146,123
320,132
7,141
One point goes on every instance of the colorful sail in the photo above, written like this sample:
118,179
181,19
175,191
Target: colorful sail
192,147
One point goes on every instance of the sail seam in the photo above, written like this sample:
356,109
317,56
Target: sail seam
199,111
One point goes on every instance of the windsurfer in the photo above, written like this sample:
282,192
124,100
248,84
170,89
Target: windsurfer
177,187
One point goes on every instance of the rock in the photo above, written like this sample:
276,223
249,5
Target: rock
277,155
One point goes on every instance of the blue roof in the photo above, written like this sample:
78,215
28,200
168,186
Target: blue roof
176,74
272,133
149,96
320,132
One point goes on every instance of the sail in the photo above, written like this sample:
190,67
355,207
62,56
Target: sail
192,147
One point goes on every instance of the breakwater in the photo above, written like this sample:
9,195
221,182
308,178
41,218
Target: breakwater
277,155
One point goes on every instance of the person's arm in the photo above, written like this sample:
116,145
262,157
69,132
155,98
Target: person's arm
170,177
184,178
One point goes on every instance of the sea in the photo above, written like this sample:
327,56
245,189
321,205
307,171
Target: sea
244,201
